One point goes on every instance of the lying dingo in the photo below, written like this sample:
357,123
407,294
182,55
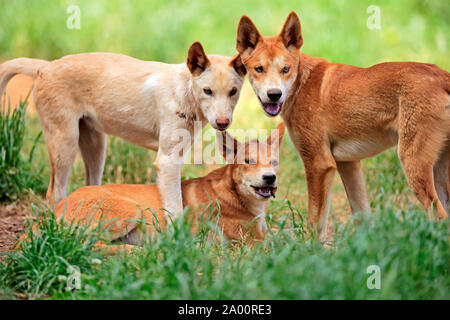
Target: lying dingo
338,114
240,189
81,98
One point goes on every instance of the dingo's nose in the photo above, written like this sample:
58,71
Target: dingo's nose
274,94
269,178
222,123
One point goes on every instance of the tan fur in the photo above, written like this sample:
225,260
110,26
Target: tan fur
123,207
81,98
339,114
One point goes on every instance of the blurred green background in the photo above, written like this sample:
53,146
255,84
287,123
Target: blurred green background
411,30
414,30
413,255
163,30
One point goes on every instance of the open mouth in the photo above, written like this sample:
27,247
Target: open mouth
271,109
265,192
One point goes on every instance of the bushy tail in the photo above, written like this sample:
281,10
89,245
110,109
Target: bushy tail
27,66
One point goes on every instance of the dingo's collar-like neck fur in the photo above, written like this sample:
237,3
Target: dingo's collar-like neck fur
305,69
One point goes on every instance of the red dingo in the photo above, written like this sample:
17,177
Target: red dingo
338,114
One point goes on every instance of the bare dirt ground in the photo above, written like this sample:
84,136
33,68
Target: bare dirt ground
12,219
13,215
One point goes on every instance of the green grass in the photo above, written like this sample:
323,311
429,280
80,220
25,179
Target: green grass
15,170
413,253
53,247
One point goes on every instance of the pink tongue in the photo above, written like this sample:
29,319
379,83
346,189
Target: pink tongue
272,108
265,191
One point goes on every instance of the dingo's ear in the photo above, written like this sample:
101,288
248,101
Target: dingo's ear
197,61
291,34
228,145
276,135
247,36
237,64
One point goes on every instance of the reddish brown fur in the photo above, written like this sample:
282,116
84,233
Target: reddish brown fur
339,114
123,206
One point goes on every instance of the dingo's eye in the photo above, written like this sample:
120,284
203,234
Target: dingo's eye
285,69
208,91
233,91
250,161
259,69
275,163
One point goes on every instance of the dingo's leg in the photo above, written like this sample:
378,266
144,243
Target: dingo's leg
441,178
319,177
174,144
169,184
421,138
93,149
355,185
62,143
